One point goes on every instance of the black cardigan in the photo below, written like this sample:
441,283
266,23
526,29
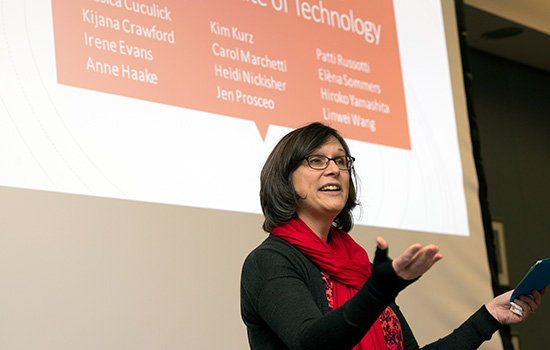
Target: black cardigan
284,305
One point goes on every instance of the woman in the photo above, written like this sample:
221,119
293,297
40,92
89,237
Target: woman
310,286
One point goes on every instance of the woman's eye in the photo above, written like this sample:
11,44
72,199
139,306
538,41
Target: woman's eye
315,160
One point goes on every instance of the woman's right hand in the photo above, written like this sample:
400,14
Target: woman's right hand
414,261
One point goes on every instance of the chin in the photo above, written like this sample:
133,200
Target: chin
334,210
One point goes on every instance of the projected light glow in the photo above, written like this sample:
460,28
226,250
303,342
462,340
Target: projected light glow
132,102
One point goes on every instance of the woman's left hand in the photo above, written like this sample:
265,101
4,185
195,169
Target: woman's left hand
499,307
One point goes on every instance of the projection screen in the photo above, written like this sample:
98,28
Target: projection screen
132,136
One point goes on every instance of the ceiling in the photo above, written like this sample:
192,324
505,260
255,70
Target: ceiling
512,29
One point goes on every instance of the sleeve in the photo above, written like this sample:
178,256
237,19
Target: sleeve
470,335
477,329
281,298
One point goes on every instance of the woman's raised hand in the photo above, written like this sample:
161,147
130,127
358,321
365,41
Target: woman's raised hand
414,261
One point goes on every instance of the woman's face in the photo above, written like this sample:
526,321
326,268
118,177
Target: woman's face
325,192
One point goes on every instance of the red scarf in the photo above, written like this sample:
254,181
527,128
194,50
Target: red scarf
345,261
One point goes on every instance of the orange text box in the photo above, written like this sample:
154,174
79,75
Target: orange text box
281,62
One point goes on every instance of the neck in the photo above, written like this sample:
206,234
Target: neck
320,226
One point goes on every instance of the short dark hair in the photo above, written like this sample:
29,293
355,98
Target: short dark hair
278,198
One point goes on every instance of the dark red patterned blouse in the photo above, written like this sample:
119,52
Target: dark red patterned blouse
388,319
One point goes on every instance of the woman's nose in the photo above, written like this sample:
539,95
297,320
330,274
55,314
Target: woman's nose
332,167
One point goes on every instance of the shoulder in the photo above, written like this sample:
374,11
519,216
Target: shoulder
273,244
276,258
272,254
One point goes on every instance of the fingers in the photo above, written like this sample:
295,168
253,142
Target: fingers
507,312
531,302
526,307
409,254
537,296
416,260
418,255
527,303
427,257
382,244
